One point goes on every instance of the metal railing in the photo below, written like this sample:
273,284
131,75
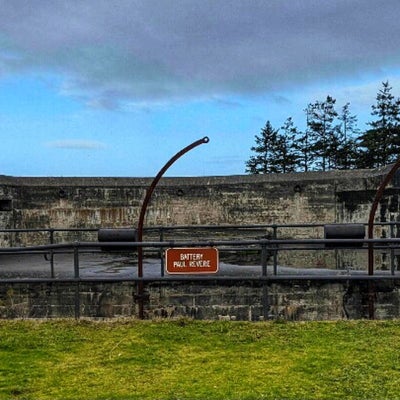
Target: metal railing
267,243
273,229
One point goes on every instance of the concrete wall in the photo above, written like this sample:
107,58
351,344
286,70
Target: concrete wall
298,198
253,300
264,199
313,197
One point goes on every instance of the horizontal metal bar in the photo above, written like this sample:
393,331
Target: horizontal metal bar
216,279
190,227
275,243
35,230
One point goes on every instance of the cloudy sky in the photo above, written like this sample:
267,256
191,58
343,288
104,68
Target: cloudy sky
117,87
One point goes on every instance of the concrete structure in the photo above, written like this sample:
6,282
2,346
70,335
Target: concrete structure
230,299
298,198
314,197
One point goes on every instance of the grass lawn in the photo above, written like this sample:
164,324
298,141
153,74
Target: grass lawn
184,359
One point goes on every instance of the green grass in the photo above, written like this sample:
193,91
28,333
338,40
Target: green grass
186,359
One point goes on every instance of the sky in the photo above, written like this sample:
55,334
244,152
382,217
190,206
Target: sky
118,87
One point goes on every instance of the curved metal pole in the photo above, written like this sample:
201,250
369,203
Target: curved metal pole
374,207
144,208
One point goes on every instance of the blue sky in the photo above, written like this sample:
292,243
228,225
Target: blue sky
117,87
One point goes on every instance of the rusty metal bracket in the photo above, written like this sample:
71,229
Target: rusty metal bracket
378,197
372,213
143,213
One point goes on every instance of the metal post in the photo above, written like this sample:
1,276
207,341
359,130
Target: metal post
374,207
51,231
77,287
264,258
392,266
161,251
76,261
378,196
143,213
275,251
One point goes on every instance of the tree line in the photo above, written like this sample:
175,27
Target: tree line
331,139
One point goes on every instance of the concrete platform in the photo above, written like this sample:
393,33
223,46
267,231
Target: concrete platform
105,265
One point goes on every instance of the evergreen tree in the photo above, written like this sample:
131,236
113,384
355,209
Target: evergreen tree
380,145
331,140
370,150
323,132
347,154
303,147
264,160
287,151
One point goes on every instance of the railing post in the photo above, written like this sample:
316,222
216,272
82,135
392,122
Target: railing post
77,284
76,260
264,258
275,251
161,251
51,232
392,266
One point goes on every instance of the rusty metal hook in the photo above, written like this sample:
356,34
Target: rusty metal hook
372,213
143,213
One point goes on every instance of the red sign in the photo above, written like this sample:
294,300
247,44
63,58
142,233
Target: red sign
202,260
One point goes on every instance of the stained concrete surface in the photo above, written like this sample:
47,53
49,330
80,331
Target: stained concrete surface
95,265
105,265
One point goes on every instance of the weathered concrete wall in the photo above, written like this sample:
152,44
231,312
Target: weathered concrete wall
288,299
264,199
60,299
251,300
298,198
279,199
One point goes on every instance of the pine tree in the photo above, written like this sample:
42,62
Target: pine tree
264,161
380,145
288,152
370,150
323,132
303,147
348,132
330,140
